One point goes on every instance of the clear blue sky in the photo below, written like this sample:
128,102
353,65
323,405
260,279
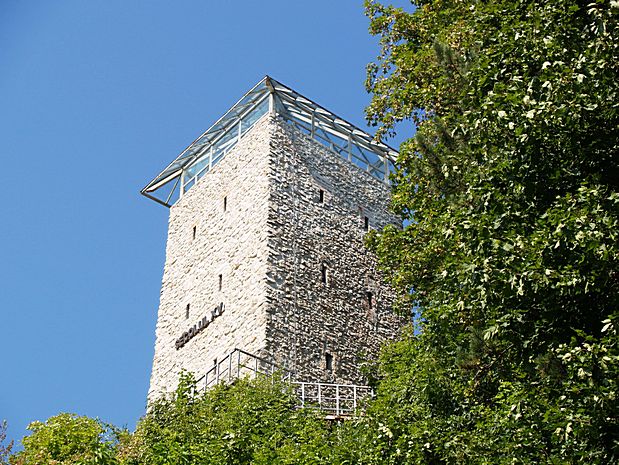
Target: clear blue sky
96,97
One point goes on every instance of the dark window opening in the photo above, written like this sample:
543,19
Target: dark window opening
366,223
323,273
329,361
221,281
187,311
370,299
194,232
321,196
225,203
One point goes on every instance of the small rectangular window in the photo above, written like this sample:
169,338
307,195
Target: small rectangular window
370,299
329,362
225,203
366,223
193,236
323,273
321,196
221,282
187,311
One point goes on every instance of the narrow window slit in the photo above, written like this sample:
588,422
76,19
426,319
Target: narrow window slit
323,273
370,299
221,282
321,196
329,361
187,311
225,204
193,236
366,223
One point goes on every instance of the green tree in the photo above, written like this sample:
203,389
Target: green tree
5,449
509,191
67,439
249,422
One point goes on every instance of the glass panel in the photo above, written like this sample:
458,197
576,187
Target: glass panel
250,119
227,141
360,163
303,129
188,184
332,141
197,166
217,155
376,169
372,157
203,171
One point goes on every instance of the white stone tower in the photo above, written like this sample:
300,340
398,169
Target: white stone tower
268,212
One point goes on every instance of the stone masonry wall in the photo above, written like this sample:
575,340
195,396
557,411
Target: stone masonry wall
269,247
231,243
310,320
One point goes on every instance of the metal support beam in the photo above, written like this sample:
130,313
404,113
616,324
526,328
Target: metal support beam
349,148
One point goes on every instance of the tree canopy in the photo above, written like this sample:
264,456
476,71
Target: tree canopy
509,191
68,439
252,421
5,449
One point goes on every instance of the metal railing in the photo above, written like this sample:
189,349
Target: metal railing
238,364
336,400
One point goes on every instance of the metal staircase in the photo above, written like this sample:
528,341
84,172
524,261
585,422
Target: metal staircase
335,400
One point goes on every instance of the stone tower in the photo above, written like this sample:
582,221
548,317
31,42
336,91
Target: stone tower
268,212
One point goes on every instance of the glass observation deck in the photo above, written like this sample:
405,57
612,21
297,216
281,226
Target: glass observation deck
269,96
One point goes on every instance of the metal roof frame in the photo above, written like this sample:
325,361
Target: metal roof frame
304,113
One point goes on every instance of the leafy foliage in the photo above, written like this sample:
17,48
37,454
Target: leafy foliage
5,449
67,439
509,189
252,421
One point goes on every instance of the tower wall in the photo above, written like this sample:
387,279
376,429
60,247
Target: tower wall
310,320
231,243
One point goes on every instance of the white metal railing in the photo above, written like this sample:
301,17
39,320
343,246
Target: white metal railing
238,364
336,400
